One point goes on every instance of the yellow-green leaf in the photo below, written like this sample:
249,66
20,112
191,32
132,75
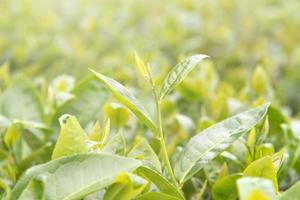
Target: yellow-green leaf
263,168
71,140
142,68
126,187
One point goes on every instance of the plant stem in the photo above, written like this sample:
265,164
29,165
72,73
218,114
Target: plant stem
163,147
160,133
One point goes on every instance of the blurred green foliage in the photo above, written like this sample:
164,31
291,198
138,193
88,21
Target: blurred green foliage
54,37
47,48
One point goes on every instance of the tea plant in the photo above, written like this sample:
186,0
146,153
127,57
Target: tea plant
248,155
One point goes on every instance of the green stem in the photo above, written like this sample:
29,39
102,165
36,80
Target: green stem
160,133
163,147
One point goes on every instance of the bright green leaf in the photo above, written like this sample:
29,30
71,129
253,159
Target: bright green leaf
142,68
263,168
125,187
118,114
12,135
226,188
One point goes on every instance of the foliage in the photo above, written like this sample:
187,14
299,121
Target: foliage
223,126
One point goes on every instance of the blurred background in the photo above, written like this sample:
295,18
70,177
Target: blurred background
53,37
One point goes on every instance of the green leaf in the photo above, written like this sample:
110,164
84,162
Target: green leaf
226,188
278,159
118,114
143,151
5,188
72,138
206,145
116,145
12,135
77,176
263,168
21,101
36,156
260,188
260,81
276,119
142,68
90,96
99,134
161,182
179,72
33,137
127,99
4,74
126,187
156,195
34,190
292,193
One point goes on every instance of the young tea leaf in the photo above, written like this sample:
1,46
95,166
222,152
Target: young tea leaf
126,187
72,138
226,188
263,168
143,69
179,72
127,99
206,145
